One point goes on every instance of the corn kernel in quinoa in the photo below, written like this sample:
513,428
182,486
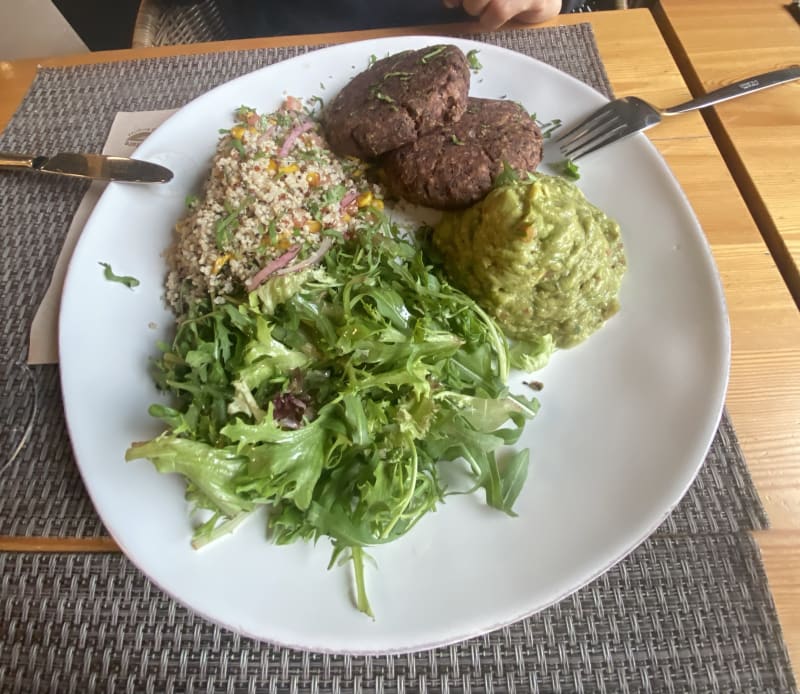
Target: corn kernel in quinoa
220,262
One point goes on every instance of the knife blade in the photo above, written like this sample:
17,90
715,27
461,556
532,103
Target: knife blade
98,167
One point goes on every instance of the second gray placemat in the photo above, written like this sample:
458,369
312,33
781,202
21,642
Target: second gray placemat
658,622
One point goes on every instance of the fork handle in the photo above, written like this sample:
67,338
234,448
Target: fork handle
740,88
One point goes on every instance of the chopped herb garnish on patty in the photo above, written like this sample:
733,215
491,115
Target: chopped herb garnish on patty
433,54
380,96
400,74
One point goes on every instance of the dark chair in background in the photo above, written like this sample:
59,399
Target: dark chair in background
164,22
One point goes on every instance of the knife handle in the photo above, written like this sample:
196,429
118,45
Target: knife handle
9,160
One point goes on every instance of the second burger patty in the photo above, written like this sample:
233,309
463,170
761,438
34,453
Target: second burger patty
455,165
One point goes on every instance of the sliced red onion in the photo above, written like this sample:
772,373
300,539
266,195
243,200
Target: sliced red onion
288,143
313,259
272,267
348,200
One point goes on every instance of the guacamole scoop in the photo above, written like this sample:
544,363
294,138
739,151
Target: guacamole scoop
537,256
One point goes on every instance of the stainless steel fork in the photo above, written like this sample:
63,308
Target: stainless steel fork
624,117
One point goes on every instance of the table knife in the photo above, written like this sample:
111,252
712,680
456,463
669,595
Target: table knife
98,167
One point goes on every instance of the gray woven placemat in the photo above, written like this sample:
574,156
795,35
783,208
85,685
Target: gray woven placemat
657,622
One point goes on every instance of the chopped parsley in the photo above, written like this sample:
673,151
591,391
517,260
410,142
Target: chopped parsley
108,273
506,177
509,176
433,54
243,112
547,127
334,194
284,120
569,169
227,224
472,60
315,104
238,146
400,74
380,96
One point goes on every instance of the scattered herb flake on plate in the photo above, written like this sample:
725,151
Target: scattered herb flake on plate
108,273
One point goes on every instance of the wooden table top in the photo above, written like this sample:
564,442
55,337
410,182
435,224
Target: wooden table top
759,135
764,392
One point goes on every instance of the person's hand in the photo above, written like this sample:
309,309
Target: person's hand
494,13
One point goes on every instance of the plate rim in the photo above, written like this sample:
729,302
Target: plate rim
709,265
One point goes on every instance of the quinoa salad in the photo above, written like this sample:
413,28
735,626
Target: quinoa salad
275,200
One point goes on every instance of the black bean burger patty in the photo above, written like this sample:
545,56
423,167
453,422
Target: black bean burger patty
396,100
454,166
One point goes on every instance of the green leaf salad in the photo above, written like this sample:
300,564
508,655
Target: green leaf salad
331,396
328,390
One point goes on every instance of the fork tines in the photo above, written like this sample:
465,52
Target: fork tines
601,128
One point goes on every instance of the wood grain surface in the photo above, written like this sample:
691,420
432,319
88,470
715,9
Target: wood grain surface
759,135
764,391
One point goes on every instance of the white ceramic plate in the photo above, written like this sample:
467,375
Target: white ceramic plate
626,417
